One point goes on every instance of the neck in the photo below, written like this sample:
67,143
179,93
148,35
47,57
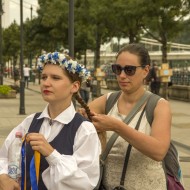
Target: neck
134,96
55,110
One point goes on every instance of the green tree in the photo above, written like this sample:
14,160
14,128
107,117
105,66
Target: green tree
97,14
183,36
84,38
11,43
50,28
163,20
126,20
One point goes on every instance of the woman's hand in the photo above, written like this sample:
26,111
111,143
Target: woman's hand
39,143
6,183
82,111
104,122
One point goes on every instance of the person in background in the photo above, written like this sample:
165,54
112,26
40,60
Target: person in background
26,71
16,74
67,142
85,90
150,143
154,79
34,71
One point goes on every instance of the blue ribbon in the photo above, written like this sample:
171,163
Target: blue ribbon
33,178
23,152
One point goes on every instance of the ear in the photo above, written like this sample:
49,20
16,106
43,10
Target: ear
146,70
75,87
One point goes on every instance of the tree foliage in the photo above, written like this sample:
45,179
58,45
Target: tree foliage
11,43
96,22
163,20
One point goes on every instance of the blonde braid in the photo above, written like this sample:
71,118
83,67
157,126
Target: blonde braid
101,135
84,105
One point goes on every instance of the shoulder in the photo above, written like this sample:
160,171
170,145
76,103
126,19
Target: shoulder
163,103
163,109
25,124
157,102
86,128
28,120
79,117
98,104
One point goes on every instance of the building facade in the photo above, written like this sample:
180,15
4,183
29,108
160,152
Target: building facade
6,15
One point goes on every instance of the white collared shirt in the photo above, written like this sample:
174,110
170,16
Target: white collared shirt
79,171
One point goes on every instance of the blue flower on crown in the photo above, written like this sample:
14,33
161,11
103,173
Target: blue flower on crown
69,64
55,56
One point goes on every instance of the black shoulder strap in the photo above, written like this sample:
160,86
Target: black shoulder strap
112,99
129,151
151,104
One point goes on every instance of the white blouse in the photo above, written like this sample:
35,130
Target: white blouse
142,171
79,171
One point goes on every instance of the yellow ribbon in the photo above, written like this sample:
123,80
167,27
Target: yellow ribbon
37,163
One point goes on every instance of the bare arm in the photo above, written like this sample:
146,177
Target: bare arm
154,146
98,105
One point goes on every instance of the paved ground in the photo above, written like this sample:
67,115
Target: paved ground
9,118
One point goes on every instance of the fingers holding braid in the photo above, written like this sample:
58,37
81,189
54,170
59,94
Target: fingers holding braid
89,114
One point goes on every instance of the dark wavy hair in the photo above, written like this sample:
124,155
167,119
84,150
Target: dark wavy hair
137,49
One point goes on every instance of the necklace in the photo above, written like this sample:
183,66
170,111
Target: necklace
50,122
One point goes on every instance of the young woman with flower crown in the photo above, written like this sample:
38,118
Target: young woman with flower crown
67,142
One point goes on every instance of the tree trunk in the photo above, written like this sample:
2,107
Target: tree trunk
97,49
164,49
85,61
131,37
164,60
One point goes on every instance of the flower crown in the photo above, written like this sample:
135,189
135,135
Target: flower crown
65,62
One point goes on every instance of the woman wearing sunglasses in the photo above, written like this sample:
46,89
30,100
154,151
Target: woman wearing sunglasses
149,143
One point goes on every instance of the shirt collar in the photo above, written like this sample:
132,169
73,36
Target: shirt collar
64,117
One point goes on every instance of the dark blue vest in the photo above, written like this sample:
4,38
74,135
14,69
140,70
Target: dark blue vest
63,143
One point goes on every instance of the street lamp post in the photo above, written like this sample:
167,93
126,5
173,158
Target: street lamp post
71,28
1,47
22,84
30,56
31,9
71,33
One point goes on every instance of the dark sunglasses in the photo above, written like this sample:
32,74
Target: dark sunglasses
128,69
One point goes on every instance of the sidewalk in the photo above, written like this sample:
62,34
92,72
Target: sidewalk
9,118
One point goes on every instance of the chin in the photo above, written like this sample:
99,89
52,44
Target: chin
125,88
46,98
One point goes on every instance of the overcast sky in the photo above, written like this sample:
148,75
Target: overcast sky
15,9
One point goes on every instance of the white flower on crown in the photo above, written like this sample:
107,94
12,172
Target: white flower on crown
69,64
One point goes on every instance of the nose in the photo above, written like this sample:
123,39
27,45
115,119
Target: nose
46,82
122,74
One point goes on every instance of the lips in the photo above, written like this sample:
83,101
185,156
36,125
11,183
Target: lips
46,91
124,83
